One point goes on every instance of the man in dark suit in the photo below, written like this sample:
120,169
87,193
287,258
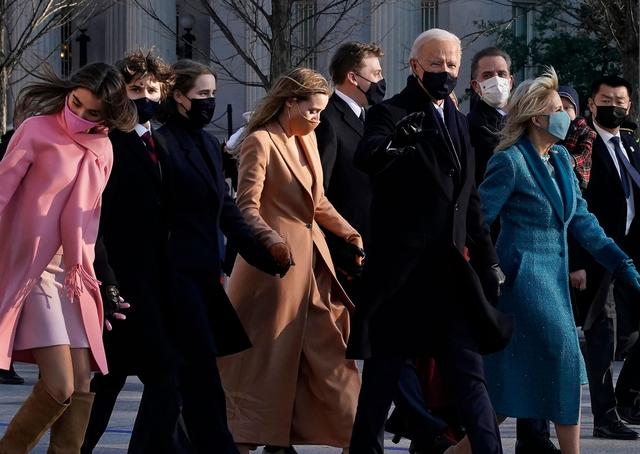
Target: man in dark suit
131,257
492,83
356,72
613,196
422,297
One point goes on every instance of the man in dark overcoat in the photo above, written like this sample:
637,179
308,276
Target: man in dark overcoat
422,297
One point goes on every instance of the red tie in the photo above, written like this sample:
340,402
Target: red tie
151,146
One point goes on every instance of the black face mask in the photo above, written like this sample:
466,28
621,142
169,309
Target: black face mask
438,85
146,109
611,116
375,93
201,112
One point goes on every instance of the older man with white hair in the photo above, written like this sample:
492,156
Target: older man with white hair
422,297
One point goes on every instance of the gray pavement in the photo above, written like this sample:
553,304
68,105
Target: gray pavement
117,436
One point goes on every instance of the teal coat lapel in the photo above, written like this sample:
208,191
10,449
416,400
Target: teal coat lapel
564,176
542,177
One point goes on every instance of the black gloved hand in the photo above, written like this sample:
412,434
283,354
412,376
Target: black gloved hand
492,279
345,259
112,303
408,130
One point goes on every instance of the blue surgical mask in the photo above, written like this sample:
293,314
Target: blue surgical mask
559,123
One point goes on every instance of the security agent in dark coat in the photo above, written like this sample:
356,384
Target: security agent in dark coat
131,260
606,304
423,298
203,323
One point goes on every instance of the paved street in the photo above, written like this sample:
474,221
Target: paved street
117,436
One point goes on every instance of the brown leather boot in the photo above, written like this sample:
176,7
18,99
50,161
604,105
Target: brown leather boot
67,433
32,420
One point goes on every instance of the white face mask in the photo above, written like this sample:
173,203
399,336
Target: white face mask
495,91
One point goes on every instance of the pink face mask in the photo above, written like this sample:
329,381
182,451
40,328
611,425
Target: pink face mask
76,123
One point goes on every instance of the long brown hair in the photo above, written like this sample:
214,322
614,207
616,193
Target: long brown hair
185,73
48,94
299,83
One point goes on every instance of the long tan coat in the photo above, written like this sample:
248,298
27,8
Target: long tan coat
295,385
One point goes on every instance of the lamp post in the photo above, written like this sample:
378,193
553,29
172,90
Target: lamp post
83,39
187,21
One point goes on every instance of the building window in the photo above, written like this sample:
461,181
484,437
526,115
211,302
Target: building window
303,32
429,14
65,49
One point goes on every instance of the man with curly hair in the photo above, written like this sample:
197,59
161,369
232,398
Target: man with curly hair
131,258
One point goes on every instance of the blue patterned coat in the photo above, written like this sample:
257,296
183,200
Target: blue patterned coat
540,372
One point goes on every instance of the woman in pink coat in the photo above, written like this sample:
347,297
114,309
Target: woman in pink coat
51,182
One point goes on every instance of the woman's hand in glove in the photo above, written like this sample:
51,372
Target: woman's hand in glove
113,303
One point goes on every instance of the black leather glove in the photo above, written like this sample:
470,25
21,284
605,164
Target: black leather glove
492,279
344,257
112,304
110,300
407,133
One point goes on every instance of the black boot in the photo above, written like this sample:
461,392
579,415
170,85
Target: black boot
10,377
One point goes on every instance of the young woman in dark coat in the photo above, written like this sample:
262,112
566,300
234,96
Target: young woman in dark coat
203,324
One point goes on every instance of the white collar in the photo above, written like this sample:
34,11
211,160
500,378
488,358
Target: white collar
357,108
141,130
606,136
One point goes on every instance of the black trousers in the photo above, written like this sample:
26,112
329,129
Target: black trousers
204,408
462,371
601,339
156,428
532,430
419,424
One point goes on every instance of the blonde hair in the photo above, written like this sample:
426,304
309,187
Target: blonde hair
432,34
530,99
299,83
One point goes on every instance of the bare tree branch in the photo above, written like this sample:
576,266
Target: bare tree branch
234,43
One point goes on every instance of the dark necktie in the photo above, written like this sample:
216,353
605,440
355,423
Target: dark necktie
361,116
627,171
151,146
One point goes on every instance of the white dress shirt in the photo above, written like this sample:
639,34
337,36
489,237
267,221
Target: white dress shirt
357,108
606,137
440,110
141,130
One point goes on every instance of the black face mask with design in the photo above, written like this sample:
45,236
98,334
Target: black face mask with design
146,109
375,93
201,112
611,116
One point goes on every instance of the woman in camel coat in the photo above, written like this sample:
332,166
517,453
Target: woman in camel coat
295,385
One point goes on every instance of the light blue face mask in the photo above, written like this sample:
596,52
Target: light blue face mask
559,123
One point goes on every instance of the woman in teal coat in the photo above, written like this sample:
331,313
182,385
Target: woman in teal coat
530,185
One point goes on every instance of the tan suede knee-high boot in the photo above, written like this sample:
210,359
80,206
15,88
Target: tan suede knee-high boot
67,433
32,420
